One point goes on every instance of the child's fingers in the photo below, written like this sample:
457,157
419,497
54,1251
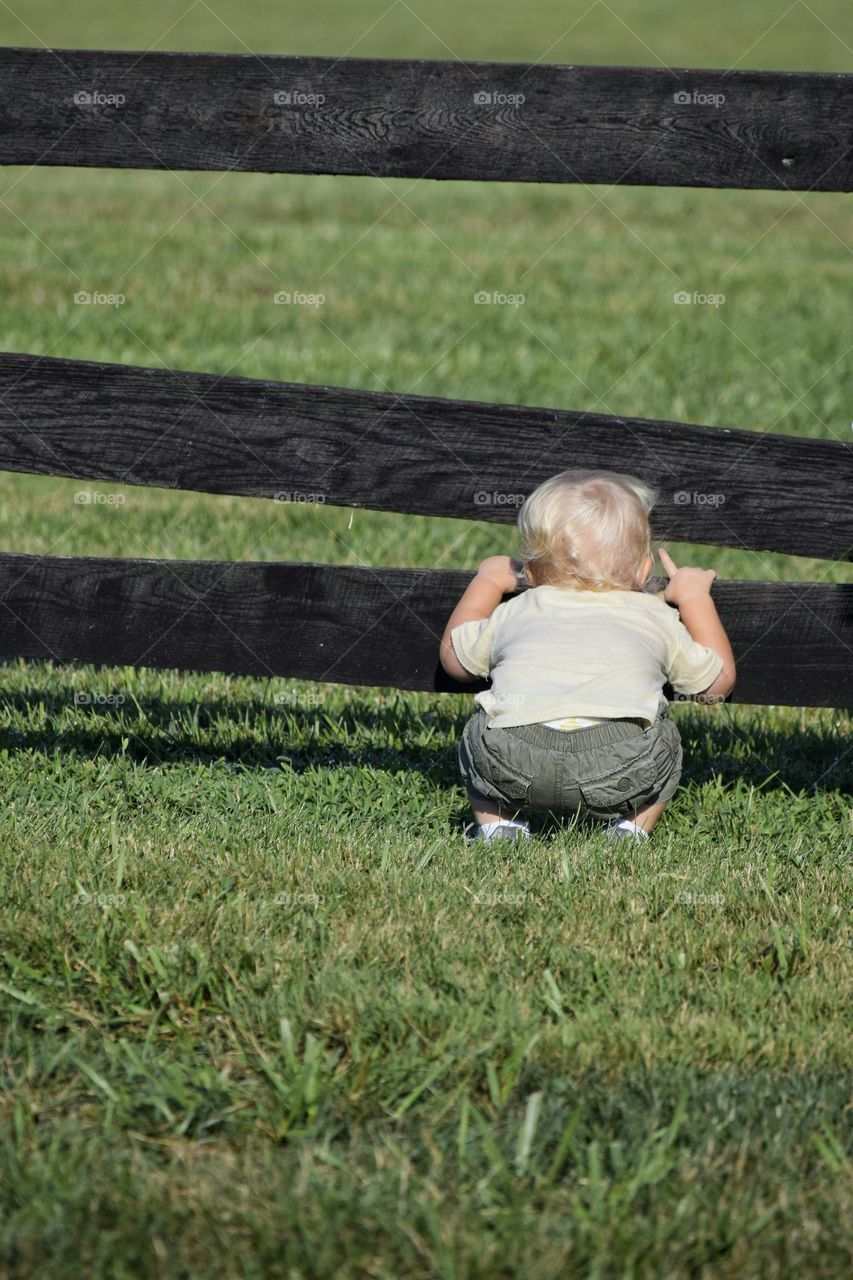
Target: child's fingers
667,561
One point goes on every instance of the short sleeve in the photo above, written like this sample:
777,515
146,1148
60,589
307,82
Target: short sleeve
693,666
472,643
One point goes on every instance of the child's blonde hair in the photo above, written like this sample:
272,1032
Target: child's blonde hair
588,530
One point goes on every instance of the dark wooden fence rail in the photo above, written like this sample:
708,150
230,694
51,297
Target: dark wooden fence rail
414,454
486,121
354,625
402,118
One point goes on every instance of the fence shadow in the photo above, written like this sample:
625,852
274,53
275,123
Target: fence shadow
165,731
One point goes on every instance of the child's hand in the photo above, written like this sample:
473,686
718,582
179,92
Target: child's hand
684,583
502,571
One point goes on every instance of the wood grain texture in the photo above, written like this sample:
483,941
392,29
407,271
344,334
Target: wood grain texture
421,119
413,454
359,626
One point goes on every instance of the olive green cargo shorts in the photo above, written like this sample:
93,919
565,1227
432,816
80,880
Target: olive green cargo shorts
605,770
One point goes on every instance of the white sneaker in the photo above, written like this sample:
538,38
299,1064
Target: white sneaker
622,829
504,831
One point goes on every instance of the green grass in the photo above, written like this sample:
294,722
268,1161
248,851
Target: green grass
258,988
264,1013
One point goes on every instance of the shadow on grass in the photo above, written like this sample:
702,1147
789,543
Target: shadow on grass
395,738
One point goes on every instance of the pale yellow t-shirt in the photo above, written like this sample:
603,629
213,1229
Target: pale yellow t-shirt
555,652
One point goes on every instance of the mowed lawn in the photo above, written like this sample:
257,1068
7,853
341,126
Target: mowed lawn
263,1012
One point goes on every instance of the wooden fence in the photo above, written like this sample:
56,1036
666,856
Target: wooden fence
793,641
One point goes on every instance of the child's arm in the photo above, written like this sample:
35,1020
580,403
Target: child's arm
690,590
496,577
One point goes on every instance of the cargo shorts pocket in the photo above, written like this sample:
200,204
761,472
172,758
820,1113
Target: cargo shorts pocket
508,764
620,790
669,758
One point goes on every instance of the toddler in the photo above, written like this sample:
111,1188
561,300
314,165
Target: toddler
575,719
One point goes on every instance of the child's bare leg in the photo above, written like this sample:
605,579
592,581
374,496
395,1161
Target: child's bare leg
647,814
486,810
